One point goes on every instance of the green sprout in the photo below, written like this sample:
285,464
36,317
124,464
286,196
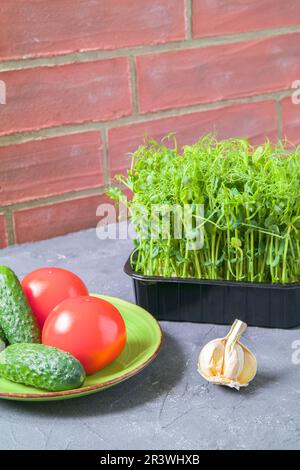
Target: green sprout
251,198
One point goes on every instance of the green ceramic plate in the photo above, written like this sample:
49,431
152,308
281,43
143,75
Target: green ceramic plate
144,338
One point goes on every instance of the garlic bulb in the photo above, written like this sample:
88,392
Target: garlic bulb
226,361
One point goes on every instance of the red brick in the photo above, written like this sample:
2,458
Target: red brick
3,232
42,222
217,17
36,28
51,96
50,166
201,75
291,120
253,120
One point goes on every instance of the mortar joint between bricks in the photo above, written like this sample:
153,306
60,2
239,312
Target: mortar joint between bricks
105,157
90,56
69,129
46,201
133,84
189,19
10,232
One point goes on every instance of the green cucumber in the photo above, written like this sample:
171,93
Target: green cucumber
16,318
41,366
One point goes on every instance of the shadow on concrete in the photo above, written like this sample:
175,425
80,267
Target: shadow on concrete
261,381
155,380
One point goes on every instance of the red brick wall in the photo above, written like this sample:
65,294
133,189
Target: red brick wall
87,79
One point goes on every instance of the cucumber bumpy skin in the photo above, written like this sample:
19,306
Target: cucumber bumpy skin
41,366
16,318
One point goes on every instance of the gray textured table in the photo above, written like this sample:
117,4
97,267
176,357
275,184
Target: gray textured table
168,405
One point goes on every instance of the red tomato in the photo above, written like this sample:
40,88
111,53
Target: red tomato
47,287
90,328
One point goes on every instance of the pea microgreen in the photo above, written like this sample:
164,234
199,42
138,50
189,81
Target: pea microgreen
251,198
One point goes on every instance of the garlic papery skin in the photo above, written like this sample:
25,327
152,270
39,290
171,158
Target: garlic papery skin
226,361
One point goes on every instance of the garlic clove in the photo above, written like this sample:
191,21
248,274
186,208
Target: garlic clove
250,367
226,361
233,362
234,354
211,361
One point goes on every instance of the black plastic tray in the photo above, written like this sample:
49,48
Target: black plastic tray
207,301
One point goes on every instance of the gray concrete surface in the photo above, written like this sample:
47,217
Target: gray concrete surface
168,405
